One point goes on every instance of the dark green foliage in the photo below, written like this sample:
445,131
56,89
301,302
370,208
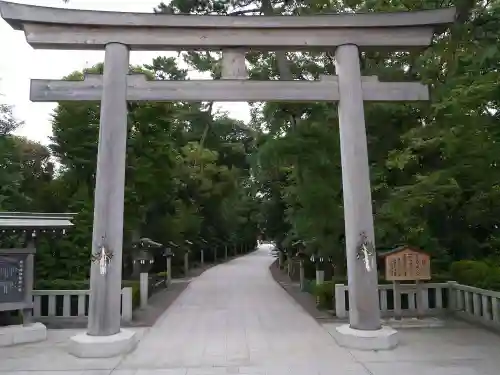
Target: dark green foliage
324,294
476,273
187,176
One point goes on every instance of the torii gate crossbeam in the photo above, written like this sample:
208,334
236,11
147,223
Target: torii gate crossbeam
233,90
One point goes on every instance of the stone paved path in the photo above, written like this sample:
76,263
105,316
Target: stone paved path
234,319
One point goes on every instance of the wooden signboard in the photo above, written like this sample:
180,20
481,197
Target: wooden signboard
407,264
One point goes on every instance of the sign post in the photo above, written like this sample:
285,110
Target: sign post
15,277
17,271
407,264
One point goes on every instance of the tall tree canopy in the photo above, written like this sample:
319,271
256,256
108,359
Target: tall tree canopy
432,165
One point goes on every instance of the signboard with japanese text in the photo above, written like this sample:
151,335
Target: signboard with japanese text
407,264
12,269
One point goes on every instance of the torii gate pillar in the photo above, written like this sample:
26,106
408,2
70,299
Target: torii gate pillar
104,337
358,216
364,311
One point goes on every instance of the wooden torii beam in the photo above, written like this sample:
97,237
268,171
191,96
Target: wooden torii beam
139,89
56,28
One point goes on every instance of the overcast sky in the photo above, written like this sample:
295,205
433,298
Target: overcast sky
19,63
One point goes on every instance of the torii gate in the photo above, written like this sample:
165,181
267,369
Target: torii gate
118,33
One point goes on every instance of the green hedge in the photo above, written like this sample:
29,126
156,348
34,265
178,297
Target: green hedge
60,284
476,273
324,294
136,291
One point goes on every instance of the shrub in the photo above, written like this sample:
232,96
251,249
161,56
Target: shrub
324,294
136,291
470,272
60,284
309,269
309,286
476,273
493,280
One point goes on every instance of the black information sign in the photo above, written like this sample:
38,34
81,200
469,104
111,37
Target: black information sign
12,268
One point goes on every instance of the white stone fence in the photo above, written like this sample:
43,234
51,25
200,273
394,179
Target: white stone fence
51,306
475,304
469,303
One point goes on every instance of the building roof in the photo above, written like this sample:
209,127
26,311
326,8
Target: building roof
148,242
35,220
398,249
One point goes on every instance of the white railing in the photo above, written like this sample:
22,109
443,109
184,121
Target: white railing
475,304
469,303
433,299
56,305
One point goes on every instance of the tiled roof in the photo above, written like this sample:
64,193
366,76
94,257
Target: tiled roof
31,220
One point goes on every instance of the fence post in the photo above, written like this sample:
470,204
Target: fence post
320,277
301,276
340,310
186,264
169,271
144,285
127,304
452,296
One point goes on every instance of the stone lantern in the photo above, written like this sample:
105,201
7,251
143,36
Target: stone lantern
143,260
329,268
186,256
281,254
169,254
233,241
301,254
216,245
319,261
204,244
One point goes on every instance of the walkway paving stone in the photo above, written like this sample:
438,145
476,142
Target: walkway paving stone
234,319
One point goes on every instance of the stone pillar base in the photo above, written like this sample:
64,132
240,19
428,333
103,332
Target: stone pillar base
19,334
382,339
85,346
